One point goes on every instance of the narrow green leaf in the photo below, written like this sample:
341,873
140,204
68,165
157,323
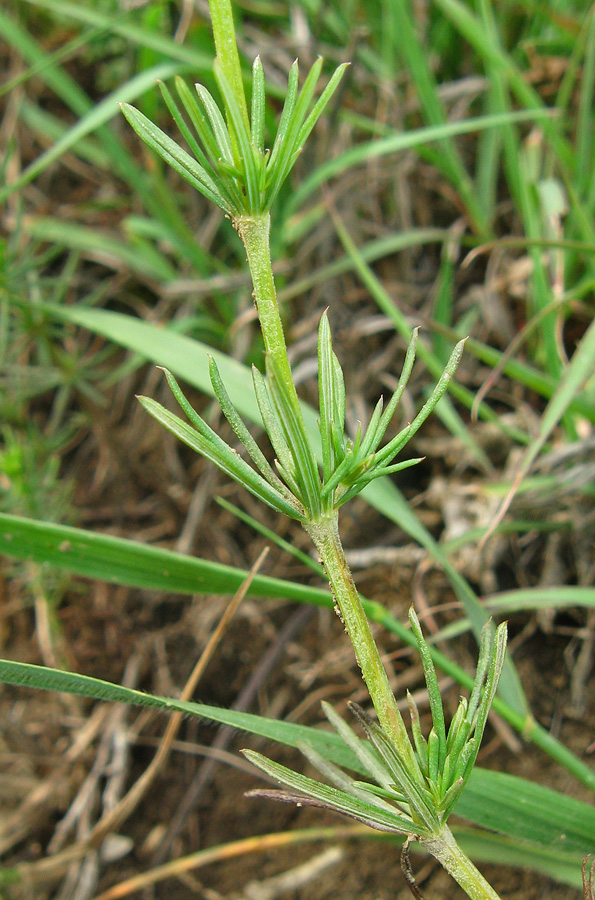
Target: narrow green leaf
120,561
468,752
421,745
386,793
433,755
378,472
527,810
183,127
459,741
373,435
491,848
242,433
338,417
370,762
340,472
495,670
199,121
247,162
450,798
326,393
430,404
303,102
286,114
271,425
258,105
403,381
438,726
217,124
210,445
321,104
456,722
174,156
289,148
306,470
328,797
486,642
444,777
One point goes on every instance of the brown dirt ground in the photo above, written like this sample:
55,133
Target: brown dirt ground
103,627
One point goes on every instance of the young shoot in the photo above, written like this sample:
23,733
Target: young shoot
414,783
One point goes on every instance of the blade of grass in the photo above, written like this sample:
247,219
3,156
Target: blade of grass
402,141
157,198
483,846
188,359
415,58
562,597
195,59
507,810
126,562
121,561
576,374
140,258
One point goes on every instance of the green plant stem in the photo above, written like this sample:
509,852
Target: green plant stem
445,849
226,49
254,232
325,535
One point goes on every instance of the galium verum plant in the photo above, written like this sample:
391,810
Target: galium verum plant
416,783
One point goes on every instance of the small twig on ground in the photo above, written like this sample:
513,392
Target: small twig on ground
56,866
244,699
408,871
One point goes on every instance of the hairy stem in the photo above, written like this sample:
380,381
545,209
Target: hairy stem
445,849
325,535
254,232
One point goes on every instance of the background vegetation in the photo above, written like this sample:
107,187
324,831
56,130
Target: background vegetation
456,191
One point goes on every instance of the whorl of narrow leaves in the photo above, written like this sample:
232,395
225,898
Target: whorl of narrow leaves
349,465
296,487
228,162
410,799
264,483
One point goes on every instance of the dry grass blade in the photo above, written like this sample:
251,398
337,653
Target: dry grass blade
140,788
575,376
54,867
260,844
